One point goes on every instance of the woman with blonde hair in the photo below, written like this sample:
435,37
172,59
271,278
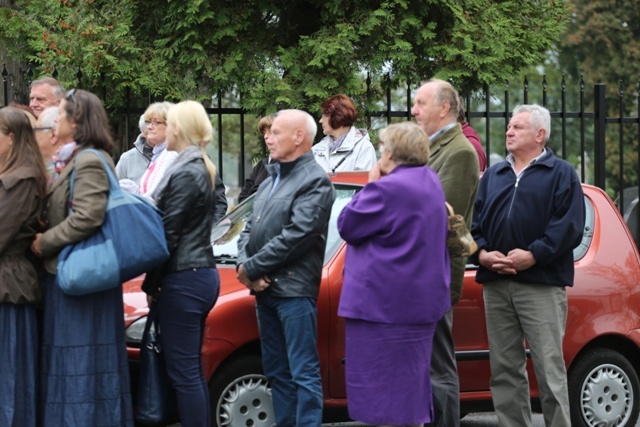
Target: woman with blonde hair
186,287
155,118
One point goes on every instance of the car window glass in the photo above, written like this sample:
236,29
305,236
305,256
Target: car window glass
225,234
587,234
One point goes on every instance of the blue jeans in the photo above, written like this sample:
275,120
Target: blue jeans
288,333
185,299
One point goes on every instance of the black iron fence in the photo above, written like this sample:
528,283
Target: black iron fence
599,132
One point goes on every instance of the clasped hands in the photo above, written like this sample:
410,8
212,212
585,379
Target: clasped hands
256,285
516,260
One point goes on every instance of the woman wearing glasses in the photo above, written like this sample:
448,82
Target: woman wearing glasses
155,117
84,370
23,186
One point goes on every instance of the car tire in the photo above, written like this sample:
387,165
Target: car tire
240,394
603,390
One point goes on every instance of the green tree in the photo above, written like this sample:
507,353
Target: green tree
278,53
603,43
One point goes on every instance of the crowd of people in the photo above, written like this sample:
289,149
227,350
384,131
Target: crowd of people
400,284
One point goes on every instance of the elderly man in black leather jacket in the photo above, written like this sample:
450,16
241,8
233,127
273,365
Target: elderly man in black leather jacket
280,255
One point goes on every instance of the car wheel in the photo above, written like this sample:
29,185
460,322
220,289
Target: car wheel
240,395
603,390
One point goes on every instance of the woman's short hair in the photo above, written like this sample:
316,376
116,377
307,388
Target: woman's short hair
92,123
157,110
265,123
192,125
408,143
341,111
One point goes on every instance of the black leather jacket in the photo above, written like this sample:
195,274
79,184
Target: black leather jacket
286,236
187,204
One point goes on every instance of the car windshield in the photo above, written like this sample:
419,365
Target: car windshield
225,234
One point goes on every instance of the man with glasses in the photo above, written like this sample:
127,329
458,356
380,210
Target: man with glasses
46,137
45,92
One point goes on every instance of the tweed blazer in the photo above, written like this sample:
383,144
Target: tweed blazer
456,163
91,191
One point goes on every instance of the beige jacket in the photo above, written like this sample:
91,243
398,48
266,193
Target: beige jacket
456,163
91,190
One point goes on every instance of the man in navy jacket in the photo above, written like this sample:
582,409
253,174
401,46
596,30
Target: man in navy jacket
528,217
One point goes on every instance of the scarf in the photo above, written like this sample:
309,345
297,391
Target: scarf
64,155
334,144
184,157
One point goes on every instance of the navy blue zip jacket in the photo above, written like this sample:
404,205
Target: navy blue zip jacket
542,211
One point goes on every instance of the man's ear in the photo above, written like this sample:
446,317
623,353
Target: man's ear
299,136
445,108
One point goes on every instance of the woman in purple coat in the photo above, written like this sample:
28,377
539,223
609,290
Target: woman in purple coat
396,282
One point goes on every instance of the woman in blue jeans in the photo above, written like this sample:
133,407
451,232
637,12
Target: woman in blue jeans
187,286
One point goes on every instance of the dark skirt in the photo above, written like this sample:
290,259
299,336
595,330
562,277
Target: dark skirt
18,365
387,372
85,374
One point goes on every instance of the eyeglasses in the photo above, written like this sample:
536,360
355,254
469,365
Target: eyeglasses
154,122
70,95
43,128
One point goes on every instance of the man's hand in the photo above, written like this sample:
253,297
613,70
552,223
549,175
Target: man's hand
242,277
260,284
496,261
257,285
521,259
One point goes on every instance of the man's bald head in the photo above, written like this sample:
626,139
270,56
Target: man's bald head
292,135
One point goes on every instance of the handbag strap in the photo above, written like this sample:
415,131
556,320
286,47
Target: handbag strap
449,209
115,191
150,338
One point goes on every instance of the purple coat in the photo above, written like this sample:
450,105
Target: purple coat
397,264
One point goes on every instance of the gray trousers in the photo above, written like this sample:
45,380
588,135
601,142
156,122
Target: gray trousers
537,312
444,375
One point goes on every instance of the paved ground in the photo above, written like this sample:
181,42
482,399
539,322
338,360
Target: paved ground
471,420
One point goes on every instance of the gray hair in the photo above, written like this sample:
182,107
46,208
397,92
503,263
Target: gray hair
540,118
58,90
446,93
141,124
48,117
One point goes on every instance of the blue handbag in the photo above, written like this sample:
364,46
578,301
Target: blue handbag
130,241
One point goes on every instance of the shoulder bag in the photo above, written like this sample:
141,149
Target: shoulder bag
156,399
130,241
460,243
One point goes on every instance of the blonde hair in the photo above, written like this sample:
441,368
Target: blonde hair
193,126
265,123
407,142
157,110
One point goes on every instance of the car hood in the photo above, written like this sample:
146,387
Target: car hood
135,300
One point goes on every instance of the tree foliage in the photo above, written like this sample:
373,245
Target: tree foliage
279,53
602,42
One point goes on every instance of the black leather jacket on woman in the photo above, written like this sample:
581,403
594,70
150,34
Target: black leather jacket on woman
187,203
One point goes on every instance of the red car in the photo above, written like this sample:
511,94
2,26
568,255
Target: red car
601,347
